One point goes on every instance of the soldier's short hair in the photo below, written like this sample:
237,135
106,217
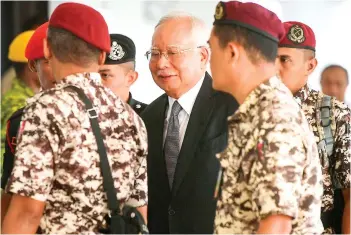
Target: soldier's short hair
257,46
309,54
68,48
128,66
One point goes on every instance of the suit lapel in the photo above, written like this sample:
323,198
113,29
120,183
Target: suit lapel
199,117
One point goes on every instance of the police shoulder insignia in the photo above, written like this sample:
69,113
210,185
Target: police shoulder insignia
219,14
296,34
116,52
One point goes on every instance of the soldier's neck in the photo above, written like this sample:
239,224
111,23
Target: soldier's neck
251,78
125,96
62,70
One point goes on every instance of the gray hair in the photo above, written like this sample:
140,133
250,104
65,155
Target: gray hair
200,32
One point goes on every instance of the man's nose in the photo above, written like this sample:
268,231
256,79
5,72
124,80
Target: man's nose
162,62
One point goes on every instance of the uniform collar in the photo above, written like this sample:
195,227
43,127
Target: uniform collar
253,98
80,79
302,94
130,100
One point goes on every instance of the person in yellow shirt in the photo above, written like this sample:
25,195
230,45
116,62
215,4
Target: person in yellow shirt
25,84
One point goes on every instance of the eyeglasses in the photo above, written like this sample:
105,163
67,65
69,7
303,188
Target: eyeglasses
172,53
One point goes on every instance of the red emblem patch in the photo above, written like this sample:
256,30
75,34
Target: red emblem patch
260,146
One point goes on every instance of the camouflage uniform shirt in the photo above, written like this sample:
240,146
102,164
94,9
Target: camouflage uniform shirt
270,166
57,159
341,158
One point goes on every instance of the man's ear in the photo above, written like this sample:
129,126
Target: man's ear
233,52
205,55
31,65
131,77
47,49
311,66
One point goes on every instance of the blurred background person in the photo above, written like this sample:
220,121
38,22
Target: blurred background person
24,85
334,82
8,71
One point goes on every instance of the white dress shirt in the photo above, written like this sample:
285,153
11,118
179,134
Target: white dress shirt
186,101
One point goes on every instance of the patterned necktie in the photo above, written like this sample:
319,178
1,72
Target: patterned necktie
172,148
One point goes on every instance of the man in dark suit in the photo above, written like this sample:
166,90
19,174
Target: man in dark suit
187,127
118,73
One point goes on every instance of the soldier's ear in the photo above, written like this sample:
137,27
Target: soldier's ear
233,52
131,77
31,65
312,64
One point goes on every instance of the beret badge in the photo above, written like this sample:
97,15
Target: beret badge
296,34
219,14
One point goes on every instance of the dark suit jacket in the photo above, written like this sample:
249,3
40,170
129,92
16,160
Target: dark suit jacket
190,206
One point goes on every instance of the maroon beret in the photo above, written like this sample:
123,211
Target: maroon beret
251,16
298,35
82,21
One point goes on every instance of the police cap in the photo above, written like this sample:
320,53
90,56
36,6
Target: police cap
122,50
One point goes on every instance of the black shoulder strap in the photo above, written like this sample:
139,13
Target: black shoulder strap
108,182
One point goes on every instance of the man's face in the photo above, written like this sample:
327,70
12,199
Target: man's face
44,72
292,66
185,63
334,83
114,77
219,68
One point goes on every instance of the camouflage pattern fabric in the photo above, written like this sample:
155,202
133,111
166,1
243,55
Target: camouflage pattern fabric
57,159
341,158
271,165
11,101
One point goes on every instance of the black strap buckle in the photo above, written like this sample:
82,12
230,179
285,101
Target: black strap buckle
323,119
92,113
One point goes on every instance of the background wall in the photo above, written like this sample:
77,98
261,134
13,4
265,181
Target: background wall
17,16
329,19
